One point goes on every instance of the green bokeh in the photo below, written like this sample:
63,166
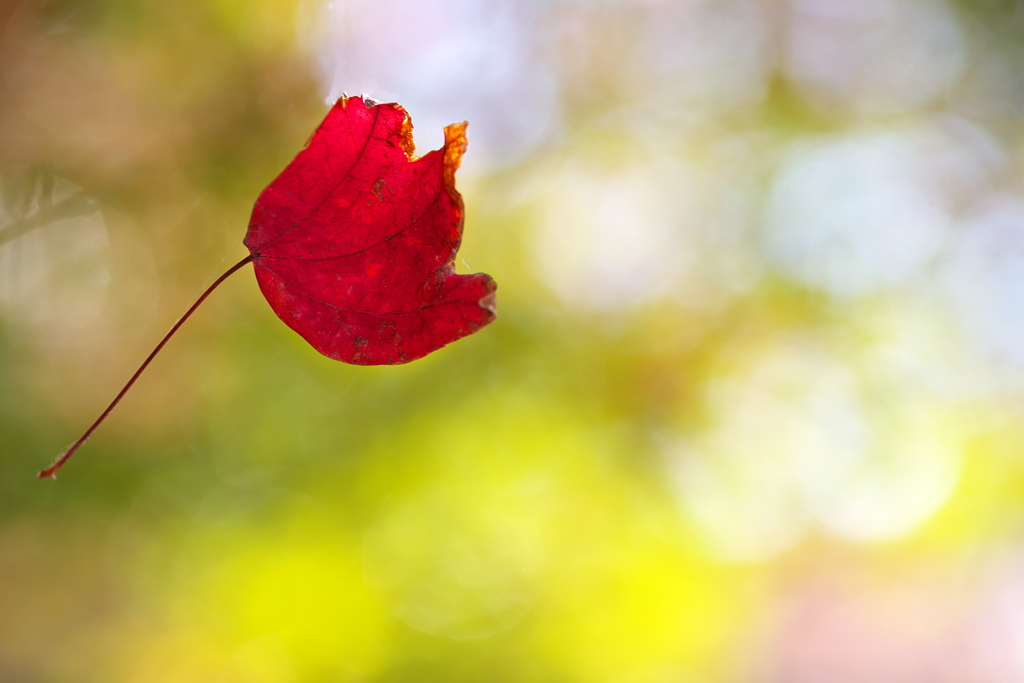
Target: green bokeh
592,489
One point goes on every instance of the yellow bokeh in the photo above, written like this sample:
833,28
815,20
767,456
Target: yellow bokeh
751,411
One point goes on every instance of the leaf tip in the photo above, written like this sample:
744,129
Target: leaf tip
490,304
368,101
455,143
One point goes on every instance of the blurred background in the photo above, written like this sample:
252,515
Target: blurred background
753,411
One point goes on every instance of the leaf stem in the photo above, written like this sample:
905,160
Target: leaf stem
51,471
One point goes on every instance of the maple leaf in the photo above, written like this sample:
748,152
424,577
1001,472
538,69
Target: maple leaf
354,243
354,246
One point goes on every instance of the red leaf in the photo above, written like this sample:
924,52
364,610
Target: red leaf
354,246
354,243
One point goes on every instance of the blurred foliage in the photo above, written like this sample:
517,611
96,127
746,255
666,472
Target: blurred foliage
751,412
